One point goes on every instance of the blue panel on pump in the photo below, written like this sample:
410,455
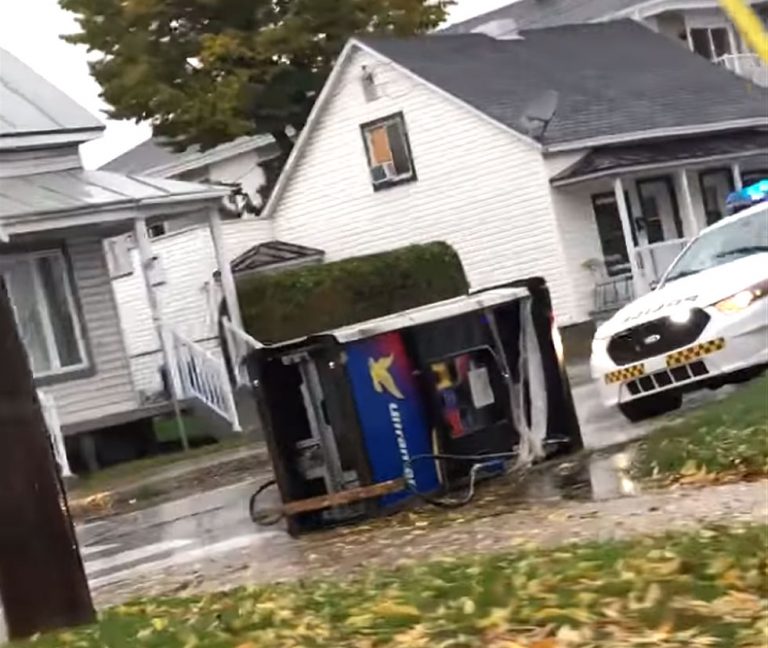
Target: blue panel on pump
391,413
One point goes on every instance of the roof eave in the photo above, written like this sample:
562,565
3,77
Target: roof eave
658,133
173,205
49,139
195,161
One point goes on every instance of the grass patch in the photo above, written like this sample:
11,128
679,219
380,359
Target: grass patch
134,471
727,439
705,588
167,430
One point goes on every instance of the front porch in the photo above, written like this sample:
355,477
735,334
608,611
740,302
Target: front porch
635,208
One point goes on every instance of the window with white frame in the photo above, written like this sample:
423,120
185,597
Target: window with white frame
711,42
389,152
46,314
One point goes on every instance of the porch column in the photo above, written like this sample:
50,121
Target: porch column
690,212
146,260
225,269
626,228
738,183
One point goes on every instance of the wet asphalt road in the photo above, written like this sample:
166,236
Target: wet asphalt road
209,526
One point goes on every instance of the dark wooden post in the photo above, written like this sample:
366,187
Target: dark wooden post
42,580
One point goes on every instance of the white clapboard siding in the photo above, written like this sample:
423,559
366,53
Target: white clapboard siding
110,390
189,295
479,187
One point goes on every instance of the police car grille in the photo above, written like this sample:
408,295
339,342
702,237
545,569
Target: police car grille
653,338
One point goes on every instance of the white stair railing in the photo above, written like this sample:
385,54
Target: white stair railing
51,416
197,374
239,346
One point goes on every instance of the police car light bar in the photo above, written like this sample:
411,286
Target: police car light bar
748,196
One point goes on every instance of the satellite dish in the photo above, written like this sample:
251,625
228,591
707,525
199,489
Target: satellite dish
538,113
501,29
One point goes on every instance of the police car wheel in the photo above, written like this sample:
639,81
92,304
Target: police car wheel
641,409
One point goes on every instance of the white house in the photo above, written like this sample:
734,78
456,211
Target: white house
186,282
699,25
587,154
54,216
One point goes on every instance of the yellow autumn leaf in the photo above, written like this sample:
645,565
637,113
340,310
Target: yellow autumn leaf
159,624
392,609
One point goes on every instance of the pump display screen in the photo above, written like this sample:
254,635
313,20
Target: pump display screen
467,386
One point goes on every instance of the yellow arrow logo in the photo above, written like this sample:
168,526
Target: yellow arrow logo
382,376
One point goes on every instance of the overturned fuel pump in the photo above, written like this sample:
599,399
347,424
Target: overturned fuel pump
421,403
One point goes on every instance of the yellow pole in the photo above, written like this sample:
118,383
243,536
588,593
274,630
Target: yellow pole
749,25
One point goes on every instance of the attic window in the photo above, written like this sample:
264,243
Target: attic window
389,152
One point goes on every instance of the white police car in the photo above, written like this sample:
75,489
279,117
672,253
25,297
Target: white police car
706,324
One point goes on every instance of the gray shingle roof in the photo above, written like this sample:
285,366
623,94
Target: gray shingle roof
612,78
532,14
606,159
29,104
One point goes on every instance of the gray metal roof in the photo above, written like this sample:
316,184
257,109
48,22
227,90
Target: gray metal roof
530,14
534,14
29,104
156,157
607,159
86,191
613,79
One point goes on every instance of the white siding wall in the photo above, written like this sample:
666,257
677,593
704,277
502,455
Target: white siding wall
111,389
188,262
479,187
243,168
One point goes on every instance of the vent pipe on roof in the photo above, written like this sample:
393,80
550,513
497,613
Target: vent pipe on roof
502,29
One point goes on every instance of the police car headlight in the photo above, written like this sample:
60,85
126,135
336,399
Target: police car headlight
743,299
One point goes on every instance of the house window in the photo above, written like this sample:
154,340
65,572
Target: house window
611,234
716,184
711,42
752,176
158,229
43,303
389,152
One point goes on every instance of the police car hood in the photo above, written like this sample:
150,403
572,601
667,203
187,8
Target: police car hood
699,290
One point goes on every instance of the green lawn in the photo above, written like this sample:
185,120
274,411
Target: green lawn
704,588
727,439
134,471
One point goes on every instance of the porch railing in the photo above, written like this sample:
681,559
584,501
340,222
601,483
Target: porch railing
51,416
655,258
197,374
613,293
748,66
239,346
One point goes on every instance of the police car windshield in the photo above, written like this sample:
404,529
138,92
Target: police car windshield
738,238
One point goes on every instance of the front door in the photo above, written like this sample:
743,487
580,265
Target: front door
660,212
716,185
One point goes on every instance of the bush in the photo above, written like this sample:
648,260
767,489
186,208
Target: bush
300,302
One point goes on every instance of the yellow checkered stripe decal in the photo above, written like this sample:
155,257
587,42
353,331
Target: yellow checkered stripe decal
625,374
684,356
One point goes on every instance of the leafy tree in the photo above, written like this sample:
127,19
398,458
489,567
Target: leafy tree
208,71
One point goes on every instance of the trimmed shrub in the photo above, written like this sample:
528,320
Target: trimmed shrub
295,303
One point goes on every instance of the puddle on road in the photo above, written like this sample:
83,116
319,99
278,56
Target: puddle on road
600,476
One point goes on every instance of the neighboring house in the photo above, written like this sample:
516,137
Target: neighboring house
187,285
54,216
449,137
700,25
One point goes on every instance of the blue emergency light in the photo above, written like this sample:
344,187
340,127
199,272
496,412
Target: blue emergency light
746,197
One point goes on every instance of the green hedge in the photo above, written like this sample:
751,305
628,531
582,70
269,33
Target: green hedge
295,303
